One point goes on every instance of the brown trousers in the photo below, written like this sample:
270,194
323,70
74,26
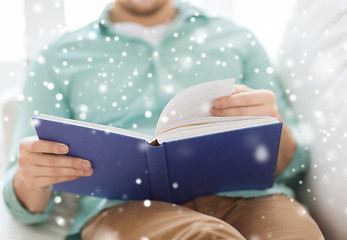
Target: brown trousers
211,217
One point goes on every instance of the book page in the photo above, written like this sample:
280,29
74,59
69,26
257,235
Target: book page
210,120
193,102
199,129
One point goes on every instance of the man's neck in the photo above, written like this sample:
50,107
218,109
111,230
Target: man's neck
164,14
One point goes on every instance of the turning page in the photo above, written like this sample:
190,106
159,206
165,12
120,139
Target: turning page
193,102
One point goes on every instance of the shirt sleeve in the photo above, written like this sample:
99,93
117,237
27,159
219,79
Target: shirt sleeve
43,92
259,74
21,214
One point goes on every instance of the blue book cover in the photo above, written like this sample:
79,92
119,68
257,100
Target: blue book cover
127,166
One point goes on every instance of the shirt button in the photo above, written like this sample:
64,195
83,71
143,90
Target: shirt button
156,56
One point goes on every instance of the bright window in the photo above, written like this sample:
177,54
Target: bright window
87,12
12,30
266,18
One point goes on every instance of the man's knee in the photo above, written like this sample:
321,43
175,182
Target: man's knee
281,217
208,228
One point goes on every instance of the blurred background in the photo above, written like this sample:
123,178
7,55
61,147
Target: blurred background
307,41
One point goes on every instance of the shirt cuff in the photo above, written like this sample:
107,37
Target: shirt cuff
21,214
299,164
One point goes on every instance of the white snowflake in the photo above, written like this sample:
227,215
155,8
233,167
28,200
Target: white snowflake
269,70
92,35
41,60
147,203
261,154
138,181
148,114
20,97
59,96
102,88
292,97
60,221
164,119
57,199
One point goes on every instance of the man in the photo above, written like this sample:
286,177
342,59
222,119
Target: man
121,71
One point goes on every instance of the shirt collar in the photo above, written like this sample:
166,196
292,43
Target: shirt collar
185,13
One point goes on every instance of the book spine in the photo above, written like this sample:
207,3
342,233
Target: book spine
158,172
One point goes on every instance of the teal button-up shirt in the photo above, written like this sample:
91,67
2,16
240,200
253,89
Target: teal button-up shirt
100,76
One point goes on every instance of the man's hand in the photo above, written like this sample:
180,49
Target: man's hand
244,101
41,164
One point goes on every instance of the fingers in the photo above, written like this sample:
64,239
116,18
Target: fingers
43,163
243,99
260,110
38,177
35,145
38,171
50,160
238,88
246,102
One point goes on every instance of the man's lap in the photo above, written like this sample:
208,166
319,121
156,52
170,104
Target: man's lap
207,217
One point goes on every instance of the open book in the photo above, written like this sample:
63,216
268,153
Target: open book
192,153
